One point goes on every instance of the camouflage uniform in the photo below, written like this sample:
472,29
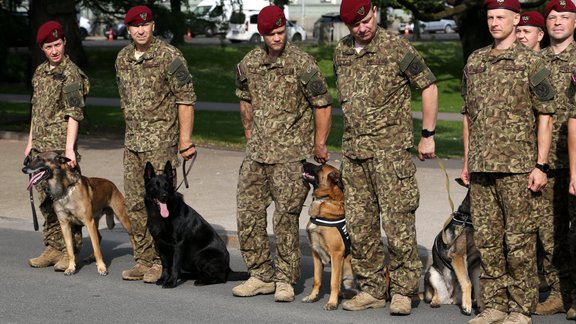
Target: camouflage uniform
555,204
282,93
377,169
58,95
502,153
151,88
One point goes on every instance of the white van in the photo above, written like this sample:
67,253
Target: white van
211,16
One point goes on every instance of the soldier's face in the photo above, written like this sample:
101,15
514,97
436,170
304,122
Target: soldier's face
54,51
502,22
560,25
142,35
364,30
275,41
529,36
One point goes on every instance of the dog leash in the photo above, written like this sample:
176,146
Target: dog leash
34,217
185,171
447,179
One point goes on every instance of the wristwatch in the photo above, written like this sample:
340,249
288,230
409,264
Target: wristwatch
427,133
544,167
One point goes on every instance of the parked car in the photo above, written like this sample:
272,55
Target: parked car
85,27
445,25
244,28
402,27
326,20
118,30
295,32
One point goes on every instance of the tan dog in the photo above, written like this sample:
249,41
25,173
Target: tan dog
78,200
327,234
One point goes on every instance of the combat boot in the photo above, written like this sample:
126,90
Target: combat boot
62,264
363,301
153,274
553,304
400,305
488,316
517,318
47,258
284,292
252,287
135,273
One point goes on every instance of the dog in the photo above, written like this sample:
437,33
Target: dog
455,260
327,234
187,244
78,200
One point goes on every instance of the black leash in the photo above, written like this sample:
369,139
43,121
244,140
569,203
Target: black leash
34,217
185,171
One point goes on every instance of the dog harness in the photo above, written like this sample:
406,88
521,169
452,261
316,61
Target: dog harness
340,224
457,219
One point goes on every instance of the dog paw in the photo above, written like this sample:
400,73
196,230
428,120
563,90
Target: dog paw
330,306
310,299
103,272
466,311
69,271
434,305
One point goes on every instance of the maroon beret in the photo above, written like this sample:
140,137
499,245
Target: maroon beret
512,5
49,31
270,18
531,18
352,11
138,16
559,6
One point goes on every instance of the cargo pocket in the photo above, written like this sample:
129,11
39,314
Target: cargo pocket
405,197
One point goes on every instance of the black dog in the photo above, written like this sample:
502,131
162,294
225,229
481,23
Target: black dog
188,245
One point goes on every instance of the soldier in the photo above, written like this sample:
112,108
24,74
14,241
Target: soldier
59,89
283,97
571,313
157,98
374,70
530,29
505,162
554,206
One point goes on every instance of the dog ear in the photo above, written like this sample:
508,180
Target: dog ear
168,171
336,177
62,159
149,172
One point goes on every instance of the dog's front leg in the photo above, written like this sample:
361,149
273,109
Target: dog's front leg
165,251
318,269
461,269
174,271
94,238
337,260
67,234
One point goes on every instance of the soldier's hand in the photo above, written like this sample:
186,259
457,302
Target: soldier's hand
426,148
465,176
572,187
70,154
537,180
187,151
321,154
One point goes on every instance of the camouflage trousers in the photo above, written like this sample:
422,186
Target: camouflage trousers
505,235
51,230
259,185
552,209
384,185
134,163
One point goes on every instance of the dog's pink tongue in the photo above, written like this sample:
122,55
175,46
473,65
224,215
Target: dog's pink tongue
34,178
163,210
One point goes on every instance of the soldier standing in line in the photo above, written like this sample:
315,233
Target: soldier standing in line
157,98
506,145
530,29
283,96
554,206
59,89
571,313
374,71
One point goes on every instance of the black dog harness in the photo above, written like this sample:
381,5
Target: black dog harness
458,219
340,224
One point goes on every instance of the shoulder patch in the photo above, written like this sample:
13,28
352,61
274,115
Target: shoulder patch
541,85
73,95
308,75
407,61
179,70
539,77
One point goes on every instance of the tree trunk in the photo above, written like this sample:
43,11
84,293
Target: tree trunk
177,26
64,12
473,31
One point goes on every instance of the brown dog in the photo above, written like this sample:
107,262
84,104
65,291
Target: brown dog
327,233
78,200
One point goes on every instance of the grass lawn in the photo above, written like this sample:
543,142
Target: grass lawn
222,129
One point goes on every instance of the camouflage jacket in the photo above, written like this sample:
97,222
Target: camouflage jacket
58,94
562,66
282,93
374,90
502,94
151,87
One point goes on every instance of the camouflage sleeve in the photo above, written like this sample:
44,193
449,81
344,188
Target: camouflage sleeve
571,92
464,90
315,87
73,94
542,91
180,81
413,67
242,89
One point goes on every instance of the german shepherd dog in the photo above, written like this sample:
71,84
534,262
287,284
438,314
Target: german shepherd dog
327,234
455,260
187,244
78,200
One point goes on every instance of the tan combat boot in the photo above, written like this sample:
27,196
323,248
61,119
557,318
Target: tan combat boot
153,274
553,304
135,273
400,305
284,292
363,301
252,287
517,318
62,264
47,258
488,316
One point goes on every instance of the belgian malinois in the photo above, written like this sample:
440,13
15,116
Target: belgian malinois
78,200
327,233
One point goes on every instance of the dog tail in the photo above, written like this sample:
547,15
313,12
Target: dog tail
237,275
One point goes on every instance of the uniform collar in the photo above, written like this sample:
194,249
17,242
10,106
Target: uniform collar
566,55
148,55
372,47
508,54
275,62
59,69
